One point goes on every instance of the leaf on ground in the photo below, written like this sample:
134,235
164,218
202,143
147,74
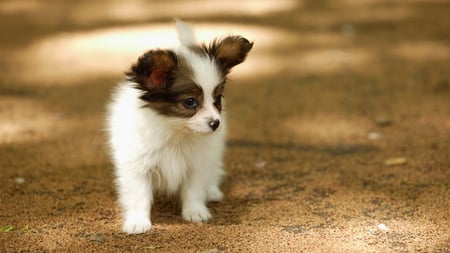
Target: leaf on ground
98,237
152,247
294,229
383,121
395,161
447,185
211,251
6,228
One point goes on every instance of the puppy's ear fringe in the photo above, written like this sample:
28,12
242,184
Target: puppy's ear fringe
153,70
229,51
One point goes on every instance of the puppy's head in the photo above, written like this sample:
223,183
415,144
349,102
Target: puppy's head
189,84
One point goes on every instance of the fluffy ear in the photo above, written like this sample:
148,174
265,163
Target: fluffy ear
153,70
230,51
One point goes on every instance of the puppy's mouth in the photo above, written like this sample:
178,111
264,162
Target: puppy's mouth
202,132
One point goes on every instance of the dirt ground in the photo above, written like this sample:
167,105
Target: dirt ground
339,126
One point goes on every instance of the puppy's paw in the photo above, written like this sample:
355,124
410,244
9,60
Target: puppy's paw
196,213
214,194
136,223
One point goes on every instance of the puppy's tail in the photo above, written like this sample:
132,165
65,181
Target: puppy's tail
185,33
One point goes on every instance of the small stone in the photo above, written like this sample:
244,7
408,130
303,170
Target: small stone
374,136
260,164
19,180
395,161
383,227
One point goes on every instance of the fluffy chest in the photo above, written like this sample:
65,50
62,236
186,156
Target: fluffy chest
173,162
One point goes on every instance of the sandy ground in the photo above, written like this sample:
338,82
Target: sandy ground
339,126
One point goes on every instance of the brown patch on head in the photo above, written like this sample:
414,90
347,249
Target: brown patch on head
167,82
153,70
172,101
229,51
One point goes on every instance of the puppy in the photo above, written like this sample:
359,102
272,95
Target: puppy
166,127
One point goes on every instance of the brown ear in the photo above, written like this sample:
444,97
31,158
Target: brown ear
153,70
230,51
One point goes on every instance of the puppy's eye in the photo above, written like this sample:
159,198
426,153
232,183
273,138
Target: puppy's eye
190,103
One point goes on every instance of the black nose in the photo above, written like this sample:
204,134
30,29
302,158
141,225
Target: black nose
214,124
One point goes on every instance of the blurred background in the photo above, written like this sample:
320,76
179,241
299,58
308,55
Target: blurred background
339,121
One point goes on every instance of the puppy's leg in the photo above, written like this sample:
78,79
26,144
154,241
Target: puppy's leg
215,170
193,197
202,186
135,197
213,193
214,173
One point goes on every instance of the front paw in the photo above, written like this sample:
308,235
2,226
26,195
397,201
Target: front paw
136,223
196,213
214,194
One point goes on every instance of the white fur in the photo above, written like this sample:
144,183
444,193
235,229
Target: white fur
208,77
185,33
154,153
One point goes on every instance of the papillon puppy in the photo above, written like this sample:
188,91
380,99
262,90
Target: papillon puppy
166,127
